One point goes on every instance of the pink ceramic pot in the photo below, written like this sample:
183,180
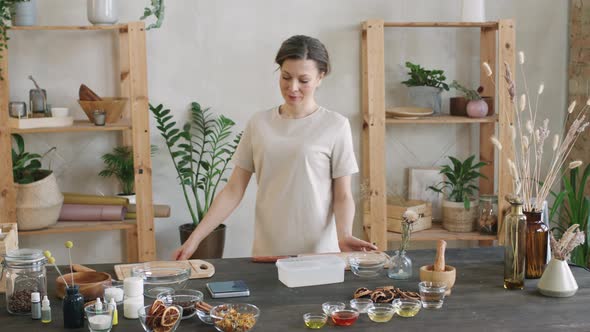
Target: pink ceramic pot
477,108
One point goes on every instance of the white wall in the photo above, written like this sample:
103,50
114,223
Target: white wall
220,53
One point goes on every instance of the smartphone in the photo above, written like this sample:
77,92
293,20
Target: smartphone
222,289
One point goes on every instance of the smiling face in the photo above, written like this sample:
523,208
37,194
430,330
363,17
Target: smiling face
298,81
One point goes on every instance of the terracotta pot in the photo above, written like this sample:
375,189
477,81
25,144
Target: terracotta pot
38,204
477,108
91,284
447,276
211,246
457,219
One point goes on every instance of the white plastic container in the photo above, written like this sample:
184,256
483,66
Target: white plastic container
311,270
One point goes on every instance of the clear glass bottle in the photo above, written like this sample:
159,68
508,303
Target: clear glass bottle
488,214
400,266
537,235
24,272
514,245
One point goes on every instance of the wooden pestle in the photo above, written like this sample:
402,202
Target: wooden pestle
439,261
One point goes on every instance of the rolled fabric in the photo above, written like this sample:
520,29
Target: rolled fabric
81,212
75,198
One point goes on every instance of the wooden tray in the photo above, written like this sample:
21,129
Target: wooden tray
199,268
47,122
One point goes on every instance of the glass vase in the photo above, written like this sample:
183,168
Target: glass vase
400,266
514,246
537,235
73,308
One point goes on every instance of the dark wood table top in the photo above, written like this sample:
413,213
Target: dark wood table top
478,302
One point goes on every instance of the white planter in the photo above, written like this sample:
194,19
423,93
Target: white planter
557,280
131,198
38,204
24,13
457,219
102,12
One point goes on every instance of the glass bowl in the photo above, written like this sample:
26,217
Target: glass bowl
315,321
205,317
234,317
382,312
344,317
159,279
362,305
186,298
367,264
407,307
328,307
113,290
149,323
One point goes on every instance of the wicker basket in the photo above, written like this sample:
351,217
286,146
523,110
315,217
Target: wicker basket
38,204
457,219
112,106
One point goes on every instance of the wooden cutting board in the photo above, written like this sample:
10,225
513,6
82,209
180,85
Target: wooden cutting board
199,268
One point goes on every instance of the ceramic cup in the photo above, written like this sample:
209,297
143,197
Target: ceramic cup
59,112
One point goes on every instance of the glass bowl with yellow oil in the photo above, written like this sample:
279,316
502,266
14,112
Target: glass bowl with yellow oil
408,307
315,321
382,312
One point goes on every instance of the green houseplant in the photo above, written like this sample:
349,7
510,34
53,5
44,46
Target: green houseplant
157,10
38,198
472,105
5,13
459,205
425,86
200,151
119,164
570,208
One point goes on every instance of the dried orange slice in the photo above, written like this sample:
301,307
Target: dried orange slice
170,317
155,312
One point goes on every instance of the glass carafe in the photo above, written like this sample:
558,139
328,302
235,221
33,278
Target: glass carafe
24,272
400,266
514,245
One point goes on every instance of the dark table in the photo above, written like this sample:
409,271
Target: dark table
478,303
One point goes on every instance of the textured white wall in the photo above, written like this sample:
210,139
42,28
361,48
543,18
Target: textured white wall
220,53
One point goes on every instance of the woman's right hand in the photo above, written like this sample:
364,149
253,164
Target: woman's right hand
185,251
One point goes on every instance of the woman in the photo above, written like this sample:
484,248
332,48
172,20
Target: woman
303,158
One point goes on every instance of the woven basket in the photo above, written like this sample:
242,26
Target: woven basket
457,219
112,106
38,204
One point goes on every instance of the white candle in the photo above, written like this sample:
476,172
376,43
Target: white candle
100,322
131,307
133,286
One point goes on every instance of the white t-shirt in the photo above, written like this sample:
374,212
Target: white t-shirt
295,161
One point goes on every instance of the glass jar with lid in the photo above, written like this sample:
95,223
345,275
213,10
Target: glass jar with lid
24,272
488,214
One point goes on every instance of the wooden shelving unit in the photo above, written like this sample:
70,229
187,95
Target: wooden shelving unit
497,43
134,129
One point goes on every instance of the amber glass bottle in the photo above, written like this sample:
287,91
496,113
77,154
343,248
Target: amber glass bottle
537,234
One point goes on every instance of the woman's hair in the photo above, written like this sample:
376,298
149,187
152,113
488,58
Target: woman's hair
304,48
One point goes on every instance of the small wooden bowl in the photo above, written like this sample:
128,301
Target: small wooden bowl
91,284
447,276
112,106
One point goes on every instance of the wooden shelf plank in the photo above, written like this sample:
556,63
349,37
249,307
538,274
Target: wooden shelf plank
491,25
438,233
442,119
79,126
71,27
82,226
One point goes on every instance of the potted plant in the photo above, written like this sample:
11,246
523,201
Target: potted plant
38,198
200,151
473,104
119,163
425,86
459,205
7,9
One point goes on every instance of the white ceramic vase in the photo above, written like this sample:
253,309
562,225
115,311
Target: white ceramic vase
24,13
102,12
131,197
473,11
557,280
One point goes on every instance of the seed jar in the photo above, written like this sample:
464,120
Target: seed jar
24,272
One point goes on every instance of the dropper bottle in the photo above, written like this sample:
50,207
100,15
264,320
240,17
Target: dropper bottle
45,310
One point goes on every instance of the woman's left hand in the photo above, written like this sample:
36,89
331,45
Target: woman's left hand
351,243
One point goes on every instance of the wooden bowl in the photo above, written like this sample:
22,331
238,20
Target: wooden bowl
112,106
90,283
447,276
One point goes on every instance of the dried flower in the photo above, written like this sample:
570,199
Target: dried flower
541,88
512,133
525,142
408,219
410,216
529,126
487,69
70,245
522,102
521,57
575,164
570,109
51,261
588,102
563,248
496,143
555,142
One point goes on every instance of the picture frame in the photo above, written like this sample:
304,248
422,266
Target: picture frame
419,179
